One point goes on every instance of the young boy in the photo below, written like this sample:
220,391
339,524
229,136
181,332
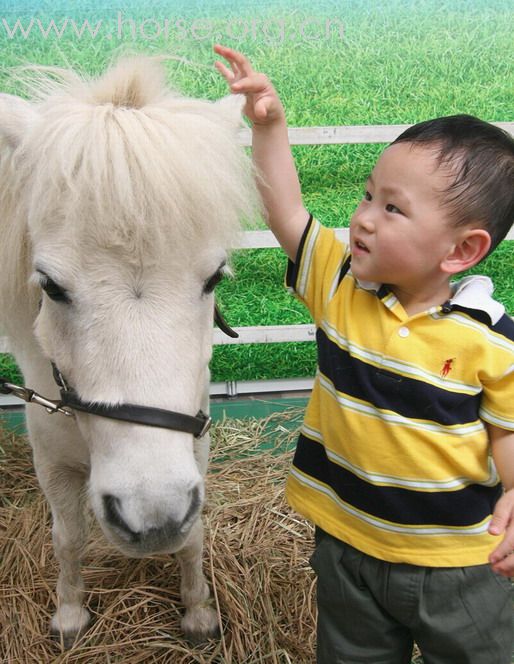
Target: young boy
415,386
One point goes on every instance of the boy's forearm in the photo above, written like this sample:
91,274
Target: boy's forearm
279,186
272,155
502,521
277,178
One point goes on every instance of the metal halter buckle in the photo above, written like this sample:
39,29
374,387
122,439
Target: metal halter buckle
30,396
206,426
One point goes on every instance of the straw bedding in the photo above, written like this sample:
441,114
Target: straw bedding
256,560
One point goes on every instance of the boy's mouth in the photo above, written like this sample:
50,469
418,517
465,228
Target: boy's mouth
360,246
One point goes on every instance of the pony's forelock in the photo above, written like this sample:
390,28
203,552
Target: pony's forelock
128,161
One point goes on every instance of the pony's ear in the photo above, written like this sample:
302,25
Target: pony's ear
231,107
16,116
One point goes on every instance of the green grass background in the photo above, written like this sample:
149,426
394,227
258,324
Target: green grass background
395,62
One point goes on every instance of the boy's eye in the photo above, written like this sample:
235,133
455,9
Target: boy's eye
392,208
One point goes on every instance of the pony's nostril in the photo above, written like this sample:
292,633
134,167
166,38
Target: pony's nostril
112,507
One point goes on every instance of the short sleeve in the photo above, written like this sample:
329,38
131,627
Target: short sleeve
314,275
497,405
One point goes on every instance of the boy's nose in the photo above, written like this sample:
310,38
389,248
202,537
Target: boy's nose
364,219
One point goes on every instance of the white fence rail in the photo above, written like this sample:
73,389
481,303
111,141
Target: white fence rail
265,239
349,134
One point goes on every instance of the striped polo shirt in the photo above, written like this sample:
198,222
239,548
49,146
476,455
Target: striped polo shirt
393,456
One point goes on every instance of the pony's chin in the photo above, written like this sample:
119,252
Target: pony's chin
151,544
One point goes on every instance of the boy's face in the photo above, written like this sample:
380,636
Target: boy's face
399,234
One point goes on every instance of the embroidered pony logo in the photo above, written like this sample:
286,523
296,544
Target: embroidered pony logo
447,367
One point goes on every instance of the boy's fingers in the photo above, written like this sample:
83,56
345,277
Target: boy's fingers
502,515
219,48
229,74
498,523
504,564
237,60
253,83
504,549
502,522
224,71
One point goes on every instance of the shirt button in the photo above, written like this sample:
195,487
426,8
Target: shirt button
404,332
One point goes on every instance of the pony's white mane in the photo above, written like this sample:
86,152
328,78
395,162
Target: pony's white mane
132,160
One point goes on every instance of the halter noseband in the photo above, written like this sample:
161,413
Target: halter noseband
198,424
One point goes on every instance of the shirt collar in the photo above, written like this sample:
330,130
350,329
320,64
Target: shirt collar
369,285
474,292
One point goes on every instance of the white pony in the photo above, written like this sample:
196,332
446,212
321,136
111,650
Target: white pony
119,201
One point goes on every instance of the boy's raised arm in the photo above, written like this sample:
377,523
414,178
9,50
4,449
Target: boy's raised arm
279,186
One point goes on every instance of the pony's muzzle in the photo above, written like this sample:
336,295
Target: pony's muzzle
156,533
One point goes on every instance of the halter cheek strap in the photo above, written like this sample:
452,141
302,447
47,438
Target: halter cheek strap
223,325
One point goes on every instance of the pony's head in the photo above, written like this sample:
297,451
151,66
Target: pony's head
131,196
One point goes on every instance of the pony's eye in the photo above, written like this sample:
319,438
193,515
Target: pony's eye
213,281
53,290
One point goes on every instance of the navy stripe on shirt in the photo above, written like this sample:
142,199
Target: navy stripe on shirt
462,507
409,397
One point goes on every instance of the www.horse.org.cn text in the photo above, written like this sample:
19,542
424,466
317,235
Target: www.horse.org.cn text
269,30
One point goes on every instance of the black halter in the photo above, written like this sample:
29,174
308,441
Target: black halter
198,424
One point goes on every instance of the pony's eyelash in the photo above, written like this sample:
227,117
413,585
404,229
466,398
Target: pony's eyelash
52,288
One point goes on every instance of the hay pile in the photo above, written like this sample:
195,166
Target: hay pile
256,562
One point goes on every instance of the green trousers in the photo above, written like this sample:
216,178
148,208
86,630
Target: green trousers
372,611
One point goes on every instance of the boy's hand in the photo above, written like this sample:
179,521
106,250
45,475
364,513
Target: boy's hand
502,522
263,105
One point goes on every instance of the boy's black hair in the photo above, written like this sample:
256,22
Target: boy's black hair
481,156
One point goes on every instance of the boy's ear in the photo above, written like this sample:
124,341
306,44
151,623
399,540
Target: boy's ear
469,249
